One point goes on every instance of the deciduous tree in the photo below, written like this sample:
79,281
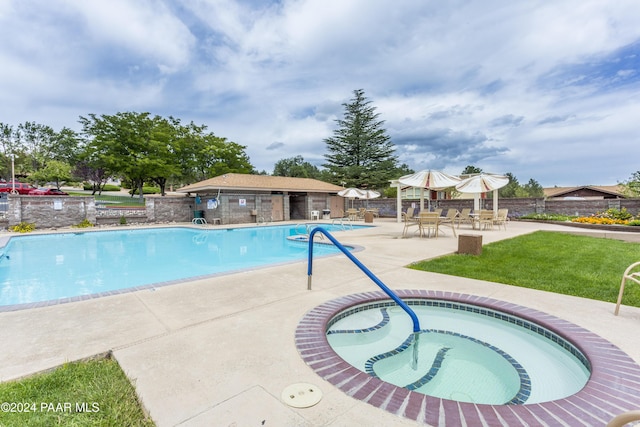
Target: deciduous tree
295,167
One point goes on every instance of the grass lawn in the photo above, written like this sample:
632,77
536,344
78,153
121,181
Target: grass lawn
90,393
587,267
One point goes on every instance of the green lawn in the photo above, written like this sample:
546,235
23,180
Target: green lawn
586,267
90,393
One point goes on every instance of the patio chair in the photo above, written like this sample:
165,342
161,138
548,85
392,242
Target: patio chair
450,219
465,216
501,219
409,222
631,275
485,220
429,221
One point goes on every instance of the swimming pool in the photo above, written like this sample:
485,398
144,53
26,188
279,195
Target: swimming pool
48,267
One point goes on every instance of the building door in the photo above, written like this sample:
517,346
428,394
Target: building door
277,207
336,204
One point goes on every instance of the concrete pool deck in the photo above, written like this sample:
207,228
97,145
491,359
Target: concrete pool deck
220,351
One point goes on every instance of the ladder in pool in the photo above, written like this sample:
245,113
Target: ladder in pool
392,295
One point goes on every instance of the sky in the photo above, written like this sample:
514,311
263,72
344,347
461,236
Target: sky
545,90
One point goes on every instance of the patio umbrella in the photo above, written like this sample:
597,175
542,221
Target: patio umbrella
433,180
430,179
483,183
369,194
351,193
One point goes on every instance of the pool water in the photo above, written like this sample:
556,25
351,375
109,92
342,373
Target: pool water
54,266
464,353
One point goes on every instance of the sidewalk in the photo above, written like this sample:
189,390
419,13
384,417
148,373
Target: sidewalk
220,351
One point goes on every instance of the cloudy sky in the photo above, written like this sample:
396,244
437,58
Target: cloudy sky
547,90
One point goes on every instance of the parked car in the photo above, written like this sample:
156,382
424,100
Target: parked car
47,192
21,187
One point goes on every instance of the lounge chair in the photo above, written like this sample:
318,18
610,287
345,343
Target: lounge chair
629,274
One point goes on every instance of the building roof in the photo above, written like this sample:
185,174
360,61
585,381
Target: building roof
610,190
246,182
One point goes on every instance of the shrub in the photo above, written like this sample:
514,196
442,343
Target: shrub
123,220
23,227
635,222
621,214
146,190
85,223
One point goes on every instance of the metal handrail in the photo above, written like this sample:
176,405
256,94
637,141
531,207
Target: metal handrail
392,295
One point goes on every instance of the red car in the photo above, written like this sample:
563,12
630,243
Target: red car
47,192
21,187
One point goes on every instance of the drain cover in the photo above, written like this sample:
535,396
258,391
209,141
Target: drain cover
301,395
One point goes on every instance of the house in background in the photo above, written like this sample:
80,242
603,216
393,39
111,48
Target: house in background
587,192
241,198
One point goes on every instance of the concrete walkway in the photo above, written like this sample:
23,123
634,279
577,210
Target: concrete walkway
220,351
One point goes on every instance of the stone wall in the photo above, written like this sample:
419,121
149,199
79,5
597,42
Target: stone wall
517,207
244,208
50,211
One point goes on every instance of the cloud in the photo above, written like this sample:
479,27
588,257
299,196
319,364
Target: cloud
506,120
275,146
506,86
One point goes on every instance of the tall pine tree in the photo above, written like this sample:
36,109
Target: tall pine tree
360,153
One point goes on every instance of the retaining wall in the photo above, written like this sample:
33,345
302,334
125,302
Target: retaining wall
242,208
517,207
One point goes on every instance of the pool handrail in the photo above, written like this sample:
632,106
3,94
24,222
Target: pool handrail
392,295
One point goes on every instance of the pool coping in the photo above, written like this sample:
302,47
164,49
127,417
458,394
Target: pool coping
4,240
610,390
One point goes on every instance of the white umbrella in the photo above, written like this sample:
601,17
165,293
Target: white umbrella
351,193
483,183
369,194
433,180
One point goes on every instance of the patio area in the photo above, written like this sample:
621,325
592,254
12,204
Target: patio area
221,350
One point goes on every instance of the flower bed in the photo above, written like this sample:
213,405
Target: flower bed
610,217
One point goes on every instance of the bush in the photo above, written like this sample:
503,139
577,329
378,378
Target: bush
612,213
146,190
23,227
635,222
123,220
85,223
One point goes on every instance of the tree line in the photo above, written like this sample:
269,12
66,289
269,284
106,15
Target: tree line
136,147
